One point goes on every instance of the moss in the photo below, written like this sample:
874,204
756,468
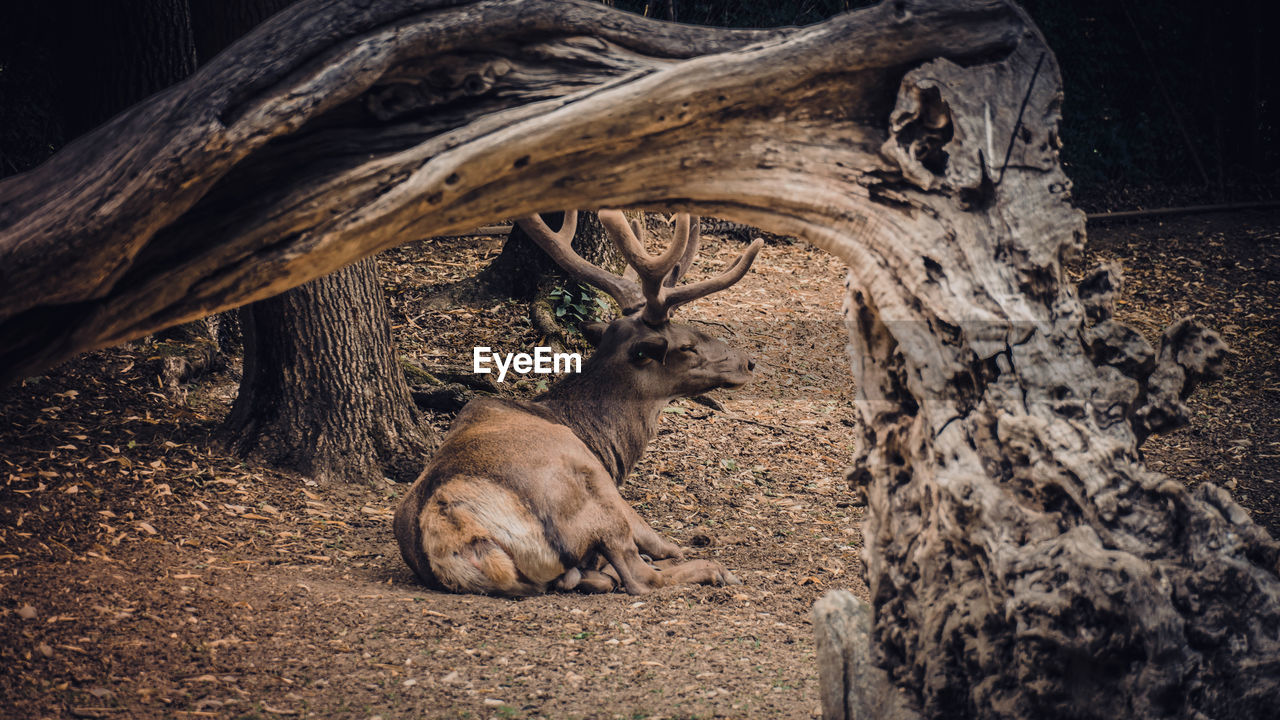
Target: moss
415,375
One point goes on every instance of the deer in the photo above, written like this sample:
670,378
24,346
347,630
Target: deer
522,496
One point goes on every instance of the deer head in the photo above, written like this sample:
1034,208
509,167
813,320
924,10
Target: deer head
648,354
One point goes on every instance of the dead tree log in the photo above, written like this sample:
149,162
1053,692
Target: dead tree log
1023,562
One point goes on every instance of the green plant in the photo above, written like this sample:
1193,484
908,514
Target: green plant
576,304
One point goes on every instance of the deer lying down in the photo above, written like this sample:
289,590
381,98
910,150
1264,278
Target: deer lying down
523,496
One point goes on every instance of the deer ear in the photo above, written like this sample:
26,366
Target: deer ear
594,332
650,348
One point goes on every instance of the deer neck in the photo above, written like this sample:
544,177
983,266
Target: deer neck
613,418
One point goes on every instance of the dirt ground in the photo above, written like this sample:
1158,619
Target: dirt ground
143,573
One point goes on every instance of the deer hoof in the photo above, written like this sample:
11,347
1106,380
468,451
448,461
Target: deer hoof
708,572
721,576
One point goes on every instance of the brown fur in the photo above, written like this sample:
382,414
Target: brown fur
521,493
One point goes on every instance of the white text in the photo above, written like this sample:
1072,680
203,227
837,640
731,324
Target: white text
543,361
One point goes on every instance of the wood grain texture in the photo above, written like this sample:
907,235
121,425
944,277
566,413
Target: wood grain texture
1022,560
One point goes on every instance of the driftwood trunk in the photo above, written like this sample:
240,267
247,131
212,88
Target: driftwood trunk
1023,562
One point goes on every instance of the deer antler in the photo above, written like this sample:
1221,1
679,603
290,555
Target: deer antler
658,275
650,281
560,247
690,249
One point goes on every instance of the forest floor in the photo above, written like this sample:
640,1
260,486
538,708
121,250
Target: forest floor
144,573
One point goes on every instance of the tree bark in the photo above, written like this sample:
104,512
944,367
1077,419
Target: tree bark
326,396
30,124
322,392
70,65
1022,560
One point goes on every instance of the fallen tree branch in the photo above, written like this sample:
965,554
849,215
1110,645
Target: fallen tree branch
334,131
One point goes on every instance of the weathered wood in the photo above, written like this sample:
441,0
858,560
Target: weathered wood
851,686
1022,560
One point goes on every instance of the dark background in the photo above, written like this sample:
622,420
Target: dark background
1168,102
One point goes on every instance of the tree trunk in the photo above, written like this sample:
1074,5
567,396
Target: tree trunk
322,391
96,59
30,123
1022,560
523,271
70,65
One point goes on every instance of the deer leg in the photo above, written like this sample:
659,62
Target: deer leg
696,572
648,540
593,575
659,574
587,581
595,581
620,543
637,576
